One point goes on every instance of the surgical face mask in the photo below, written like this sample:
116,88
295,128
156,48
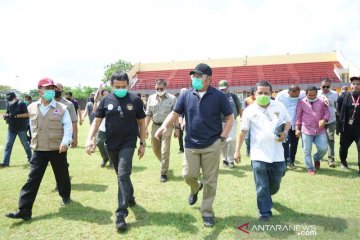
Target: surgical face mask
312,100
57,94
26,103
197,83
120,92
49,95
160,93
263,100
12,102
293,99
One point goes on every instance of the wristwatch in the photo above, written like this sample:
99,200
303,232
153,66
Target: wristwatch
222,139
142,143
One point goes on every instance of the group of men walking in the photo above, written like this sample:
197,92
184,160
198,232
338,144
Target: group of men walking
272,127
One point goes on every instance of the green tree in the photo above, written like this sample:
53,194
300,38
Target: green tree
4,87
120,65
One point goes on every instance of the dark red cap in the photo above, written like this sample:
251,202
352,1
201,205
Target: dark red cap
45,82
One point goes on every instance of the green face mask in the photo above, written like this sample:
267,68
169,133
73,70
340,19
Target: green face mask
49,95
197,83
263,100
121,92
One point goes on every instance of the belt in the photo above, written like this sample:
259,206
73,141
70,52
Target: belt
158,124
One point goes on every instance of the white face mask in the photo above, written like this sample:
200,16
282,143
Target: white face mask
161,93
12,102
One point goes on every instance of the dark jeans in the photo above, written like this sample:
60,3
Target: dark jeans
100,143
290,147
347,137
122,161
267,178
38,165
181,140
11,136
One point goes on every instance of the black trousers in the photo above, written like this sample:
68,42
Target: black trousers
347,137
38,165
181,140
290,147
122,161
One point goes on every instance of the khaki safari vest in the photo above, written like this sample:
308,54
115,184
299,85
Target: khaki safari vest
47,131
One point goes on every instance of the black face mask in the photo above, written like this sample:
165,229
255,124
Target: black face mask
91,100
68,98
58,94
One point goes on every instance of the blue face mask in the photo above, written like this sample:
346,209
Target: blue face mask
197,83
120,92
293,99
49,95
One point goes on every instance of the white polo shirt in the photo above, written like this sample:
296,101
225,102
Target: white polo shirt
262,123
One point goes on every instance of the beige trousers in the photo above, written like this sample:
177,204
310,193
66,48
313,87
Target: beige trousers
161,148
206,159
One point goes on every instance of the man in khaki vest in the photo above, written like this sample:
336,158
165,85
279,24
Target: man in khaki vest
51,134
159,105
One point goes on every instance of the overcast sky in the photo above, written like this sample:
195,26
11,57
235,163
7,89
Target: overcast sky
72,40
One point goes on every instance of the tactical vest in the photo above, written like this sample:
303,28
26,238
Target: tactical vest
47,131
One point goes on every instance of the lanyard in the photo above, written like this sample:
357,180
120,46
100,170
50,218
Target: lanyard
355,105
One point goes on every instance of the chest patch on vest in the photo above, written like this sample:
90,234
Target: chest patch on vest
110,107
56,111
130,107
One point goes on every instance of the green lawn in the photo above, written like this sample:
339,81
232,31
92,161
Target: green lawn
328,201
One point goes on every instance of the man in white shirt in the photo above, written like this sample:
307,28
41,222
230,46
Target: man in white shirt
268,123
290,98
329,97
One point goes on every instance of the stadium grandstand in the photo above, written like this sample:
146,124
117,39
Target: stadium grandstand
243,73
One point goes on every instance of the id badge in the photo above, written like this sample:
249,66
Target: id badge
351,121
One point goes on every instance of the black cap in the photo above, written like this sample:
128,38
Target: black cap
354,78
10,96
202,69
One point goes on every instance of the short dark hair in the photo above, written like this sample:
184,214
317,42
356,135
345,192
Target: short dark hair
161,81
252,90
68,94
294,88
354,78
28,97
310,88
119,76
102,91
325,80
263,83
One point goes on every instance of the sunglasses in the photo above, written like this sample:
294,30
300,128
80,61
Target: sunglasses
325,87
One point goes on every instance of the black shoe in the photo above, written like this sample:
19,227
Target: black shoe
331,163
23,214
225,163
132,202
359,173
344,165
291,165
208,221
264,219
103,164
163,178
65,201
193,198
121,224
3,165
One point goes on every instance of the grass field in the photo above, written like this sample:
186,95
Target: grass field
327,203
